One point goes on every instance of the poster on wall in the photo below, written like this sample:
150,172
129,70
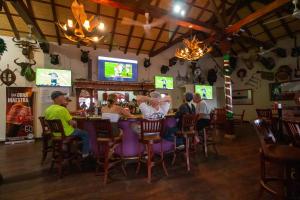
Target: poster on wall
19,114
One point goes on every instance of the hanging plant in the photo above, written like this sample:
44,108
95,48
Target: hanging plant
2,47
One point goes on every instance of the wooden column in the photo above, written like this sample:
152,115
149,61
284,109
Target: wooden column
227,87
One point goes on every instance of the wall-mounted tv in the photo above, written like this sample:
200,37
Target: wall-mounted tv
164,82
53,77
205,91
117,69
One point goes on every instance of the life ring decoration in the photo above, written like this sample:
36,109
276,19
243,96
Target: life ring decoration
241,73
8,76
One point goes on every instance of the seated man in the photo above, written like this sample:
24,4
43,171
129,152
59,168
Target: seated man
154,107
58,111
203,112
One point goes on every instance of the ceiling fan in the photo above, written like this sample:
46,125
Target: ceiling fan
295,14
147,25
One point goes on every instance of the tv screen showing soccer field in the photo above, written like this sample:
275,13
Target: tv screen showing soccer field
205,91
117,69
164,82
53,78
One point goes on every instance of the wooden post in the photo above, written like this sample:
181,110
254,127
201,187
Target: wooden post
90,69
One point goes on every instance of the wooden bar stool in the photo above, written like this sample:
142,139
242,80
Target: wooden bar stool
283,156
46,139
238,119
108,141
151,133
293,130
188,132
62,150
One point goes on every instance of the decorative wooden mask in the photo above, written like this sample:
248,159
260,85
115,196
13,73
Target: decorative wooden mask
54,59
84,56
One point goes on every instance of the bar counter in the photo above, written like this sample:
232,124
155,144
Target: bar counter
130,138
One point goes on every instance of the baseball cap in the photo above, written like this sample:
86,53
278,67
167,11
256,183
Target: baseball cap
155,95
189,96
56,94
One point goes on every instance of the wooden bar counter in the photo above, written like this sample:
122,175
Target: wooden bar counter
130,137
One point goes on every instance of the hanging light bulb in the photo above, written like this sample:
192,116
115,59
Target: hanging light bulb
70,23
101,26
95,39
86,24
65,27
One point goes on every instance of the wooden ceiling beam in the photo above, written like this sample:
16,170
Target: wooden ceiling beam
157,38
113,30
268,32
217,14
11,21
234,11
55,20
255,16
28,18
285,25
130,33
159,12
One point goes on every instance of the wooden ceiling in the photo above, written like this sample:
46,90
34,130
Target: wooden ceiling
44,13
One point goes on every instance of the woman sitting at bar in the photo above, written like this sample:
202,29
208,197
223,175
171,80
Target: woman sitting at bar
113,112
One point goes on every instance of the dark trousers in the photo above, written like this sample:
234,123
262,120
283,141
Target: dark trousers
202,123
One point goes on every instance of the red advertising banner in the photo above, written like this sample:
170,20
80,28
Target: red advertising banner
19,114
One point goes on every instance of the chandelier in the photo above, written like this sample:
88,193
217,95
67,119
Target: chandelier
193,50
83,30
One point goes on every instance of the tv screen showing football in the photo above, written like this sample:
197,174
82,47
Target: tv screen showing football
117,69
164,82
205,91
53,77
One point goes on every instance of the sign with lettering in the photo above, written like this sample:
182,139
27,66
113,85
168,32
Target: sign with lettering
19,114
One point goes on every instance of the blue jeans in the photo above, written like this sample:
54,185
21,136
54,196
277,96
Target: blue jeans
83,135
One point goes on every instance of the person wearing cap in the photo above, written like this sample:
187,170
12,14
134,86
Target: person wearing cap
58,111
186,108
154,106
203,112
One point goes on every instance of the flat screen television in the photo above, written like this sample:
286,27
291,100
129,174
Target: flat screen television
53,77
205,91
164,82
117,69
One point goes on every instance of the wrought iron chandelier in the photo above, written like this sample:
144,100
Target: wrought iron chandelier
83,31
193,50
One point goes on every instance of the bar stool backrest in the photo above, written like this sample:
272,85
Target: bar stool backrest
45,127
103,127
153,127
56,127
264,113
219,116
189,122
293,129
264,133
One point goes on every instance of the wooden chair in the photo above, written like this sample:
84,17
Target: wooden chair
46,139
108,142
293,130
238,119
188,132
151,133
61,146
275,155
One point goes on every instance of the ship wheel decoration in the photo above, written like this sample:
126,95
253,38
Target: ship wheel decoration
7,76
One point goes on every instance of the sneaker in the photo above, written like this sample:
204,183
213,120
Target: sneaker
180,147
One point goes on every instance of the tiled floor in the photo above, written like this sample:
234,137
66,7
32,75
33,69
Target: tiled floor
233,175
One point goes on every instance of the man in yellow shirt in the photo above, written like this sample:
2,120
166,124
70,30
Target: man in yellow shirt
58,111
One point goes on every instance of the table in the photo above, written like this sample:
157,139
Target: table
130,138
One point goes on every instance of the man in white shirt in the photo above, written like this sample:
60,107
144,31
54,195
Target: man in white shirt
203,111
154,107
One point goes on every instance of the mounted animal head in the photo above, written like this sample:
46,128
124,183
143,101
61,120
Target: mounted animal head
27,47
147,62
54,59
26,69
196,73
84,56
212,76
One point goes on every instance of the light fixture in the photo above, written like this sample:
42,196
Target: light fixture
83,30
179,9
193,50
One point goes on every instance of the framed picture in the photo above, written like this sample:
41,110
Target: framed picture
242,97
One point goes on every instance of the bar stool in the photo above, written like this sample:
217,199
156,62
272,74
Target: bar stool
284,156
188,132
109,142
151,133
46,139
62,146
293,130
